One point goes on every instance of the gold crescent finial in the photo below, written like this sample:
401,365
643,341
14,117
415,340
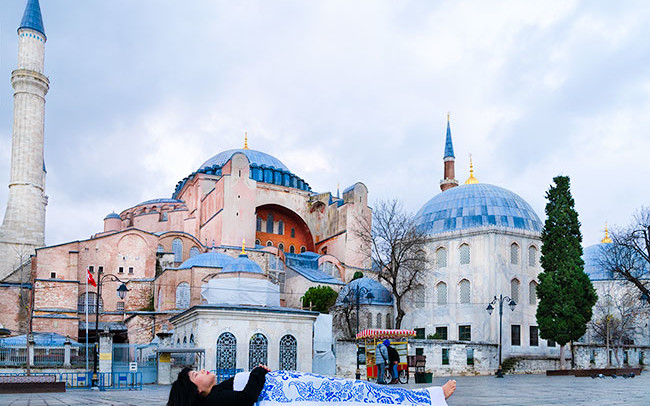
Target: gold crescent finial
606,240
246,140
243,246
447,117
471,180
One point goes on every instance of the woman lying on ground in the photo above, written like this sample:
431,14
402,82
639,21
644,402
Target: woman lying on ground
198,388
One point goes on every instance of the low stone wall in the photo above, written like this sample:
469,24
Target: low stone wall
486,357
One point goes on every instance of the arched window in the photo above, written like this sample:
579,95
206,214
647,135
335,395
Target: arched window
281,247
258,347
378,320
269,224
463,254
389,321
532,293
281,227
532,256
192,340
183,295
226,351
302,249
369,320
288,353
441,293
194,252
160,248
258,242
292,249
441,258
464,291
177,249
92,303
293,233
258,224
418,296
514,253
514,290
269,243
185,341
160,299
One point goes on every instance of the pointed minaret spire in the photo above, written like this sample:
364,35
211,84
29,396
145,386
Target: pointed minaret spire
338,186
449,162
32,18
246,140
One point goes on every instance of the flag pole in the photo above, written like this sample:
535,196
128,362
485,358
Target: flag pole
87,365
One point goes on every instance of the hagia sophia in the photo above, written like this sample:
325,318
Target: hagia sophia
224,260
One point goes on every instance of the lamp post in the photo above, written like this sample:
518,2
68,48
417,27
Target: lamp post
489,309
358,291
121,293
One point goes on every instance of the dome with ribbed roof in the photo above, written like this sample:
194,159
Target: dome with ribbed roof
256,158
380,295
242,264
112,215
208,260
475,206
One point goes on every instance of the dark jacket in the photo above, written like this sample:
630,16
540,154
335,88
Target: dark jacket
393,355
224,395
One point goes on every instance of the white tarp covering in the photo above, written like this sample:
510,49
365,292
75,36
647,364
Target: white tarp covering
241,291
324,362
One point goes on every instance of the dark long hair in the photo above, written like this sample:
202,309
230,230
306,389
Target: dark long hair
184,391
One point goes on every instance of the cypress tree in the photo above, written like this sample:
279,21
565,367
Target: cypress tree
566,295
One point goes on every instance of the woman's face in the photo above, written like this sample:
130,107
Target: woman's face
203,380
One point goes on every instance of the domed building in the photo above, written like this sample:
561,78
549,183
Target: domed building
178,253
483,241
375,307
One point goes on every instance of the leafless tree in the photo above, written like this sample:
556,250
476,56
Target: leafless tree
397,249
618,316
628,256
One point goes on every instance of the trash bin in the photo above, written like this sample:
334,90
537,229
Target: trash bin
424,377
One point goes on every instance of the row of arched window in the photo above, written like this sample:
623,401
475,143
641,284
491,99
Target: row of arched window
464,256
258,347
177,250
281,247
465,293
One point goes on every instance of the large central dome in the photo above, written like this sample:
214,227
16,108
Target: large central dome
256,158
477,206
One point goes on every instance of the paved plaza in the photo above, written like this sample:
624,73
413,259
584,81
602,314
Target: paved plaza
472,391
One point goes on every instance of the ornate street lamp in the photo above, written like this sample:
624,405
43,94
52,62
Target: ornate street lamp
121,293
490,309
358,292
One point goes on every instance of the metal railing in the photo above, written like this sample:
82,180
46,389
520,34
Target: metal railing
13,355
83,380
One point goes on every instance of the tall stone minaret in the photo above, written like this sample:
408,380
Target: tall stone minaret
23,228
449,161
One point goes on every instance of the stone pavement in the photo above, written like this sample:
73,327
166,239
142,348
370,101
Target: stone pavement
520,390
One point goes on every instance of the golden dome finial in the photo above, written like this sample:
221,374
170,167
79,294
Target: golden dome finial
243,246
447,117
471,180
246,140
606,240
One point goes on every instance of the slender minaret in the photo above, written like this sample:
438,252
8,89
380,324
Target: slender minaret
23,228
449,161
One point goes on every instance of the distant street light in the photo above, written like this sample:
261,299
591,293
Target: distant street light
121,293
490,309
358,292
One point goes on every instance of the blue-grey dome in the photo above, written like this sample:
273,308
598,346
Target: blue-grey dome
474,206
365,285
160,201
242,264
112,215
207,260
591,256
264,168
32,18
256,158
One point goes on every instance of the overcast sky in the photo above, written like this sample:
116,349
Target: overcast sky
143,92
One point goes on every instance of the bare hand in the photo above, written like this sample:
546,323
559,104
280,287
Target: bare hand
265,367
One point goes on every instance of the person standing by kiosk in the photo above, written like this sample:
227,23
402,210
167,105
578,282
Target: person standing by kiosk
393,359
381,359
